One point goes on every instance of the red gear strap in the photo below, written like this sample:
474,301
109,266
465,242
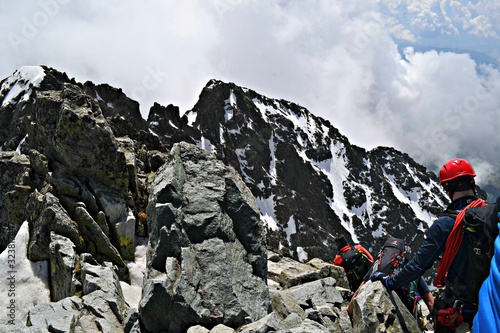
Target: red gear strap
450,317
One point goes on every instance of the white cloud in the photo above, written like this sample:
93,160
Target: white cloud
447,107
424,15
399,31
337,59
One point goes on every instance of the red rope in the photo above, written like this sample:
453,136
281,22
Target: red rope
453,244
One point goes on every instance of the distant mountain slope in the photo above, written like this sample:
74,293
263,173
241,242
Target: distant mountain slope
310,183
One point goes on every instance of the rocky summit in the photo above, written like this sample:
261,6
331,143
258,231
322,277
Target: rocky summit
219,219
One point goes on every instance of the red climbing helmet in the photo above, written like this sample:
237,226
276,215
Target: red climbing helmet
454,168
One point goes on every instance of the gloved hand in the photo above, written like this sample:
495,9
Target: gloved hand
379,276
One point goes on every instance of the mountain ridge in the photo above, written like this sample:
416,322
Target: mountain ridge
342,188
309,145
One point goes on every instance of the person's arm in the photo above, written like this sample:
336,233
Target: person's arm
427,254
426,294
429,300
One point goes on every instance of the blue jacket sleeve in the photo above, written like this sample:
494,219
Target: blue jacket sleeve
423,288
487,318
427,254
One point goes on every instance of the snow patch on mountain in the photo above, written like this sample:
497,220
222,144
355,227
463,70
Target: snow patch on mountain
240,153
18,149
305,124
412,197
205,143
99,98
272,166
266,207
21,83
365,211
229,104
137,268
336,171
263,108
191,117
25,283
302,254
291,228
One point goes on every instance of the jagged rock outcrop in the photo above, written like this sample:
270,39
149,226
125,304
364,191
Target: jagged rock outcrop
377,311
288,272
63,261
46,216
100,309
79,151
207,257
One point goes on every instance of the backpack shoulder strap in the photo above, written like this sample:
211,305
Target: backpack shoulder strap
451,213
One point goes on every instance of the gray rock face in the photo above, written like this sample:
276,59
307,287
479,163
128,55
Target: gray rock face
61,316
104,279
63,260
101,309
46,215
288,272
375,310
207,247
73,126
14,191
73,154
98,244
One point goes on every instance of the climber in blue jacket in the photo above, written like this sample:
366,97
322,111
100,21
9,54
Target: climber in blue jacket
458,303
488,314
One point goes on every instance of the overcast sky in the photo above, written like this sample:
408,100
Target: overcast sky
420,76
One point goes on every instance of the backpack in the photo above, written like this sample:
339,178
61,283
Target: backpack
479,229
391,257
390,261
356,264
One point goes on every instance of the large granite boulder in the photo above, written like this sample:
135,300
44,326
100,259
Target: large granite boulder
207,260
379,311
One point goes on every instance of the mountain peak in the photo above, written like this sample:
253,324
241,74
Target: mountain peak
310,183
17,87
